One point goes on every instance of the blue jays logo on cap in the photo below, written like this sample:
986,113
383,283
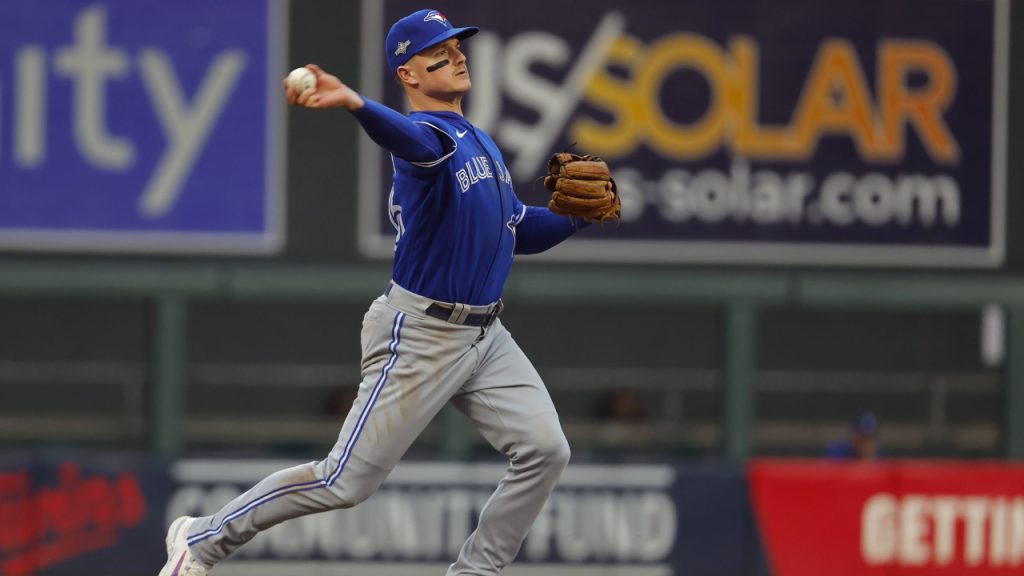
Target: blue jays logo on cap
436,17
417,32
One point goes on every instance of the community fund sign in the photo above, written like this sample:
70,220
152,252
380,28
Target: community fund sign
599,517
739,132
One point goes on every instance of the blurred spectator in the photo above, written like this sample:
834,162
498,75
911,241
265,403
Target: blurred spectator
620,415
862,444
339,402
621,407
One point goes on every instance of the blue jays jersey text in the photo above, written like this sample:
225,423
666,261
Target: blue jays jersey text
455,217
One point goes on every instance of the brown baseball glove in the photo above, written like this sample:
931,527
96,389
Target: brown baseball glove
582,187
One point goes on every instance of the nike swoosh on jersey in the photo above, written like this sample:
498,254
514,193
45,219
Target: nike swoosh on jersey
461,134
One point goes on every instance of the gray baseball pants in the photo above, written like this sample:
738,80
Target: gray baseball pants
412,364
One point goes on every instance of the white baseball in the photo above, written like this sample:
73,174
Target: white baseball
301,79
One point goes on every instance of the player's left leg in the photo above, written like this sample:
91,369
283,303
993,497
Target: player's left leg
412,364
509,404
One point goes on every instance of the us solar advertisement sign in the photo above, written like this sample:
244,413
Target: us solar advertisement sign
865,133
131,125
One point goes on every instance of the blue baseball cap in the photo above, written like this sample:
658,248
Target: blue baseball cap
417,32
866,424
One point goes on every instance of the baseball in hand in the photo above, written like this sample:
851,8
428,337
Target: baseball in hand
301,79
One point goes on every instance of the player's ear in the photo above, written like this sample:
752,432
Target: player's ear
407,76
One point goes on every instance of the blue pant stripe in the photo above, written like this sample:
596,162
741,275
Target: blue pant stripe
396,338
396,332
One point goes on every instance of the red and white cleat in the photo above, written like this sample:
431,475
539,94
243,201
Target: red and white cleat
180,561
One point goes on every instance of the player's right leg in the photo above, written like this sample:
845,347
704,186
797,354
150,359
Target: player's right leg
407,379
510,406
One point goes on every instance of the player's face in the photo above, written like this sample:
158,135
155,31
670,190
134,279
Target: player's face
452,78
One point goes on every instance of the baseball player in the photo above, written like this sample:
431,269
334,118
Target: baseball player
434,335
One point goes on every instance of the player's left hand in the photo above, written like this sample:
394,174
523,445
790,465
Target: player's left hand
582,187
329,92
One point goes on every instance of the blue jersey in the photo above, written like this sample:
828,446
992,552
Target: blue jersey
458,221
455,217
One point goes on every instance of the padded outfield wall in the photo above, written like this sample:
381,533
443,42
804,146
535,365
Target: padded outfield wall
105,515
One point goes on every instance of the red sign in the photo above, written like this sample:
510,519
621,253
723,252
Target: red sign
45,525
891,519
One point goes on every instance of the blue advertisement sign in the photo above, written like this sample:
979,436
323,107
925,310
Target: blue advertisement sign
643,520
743,131
142,125
91,514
